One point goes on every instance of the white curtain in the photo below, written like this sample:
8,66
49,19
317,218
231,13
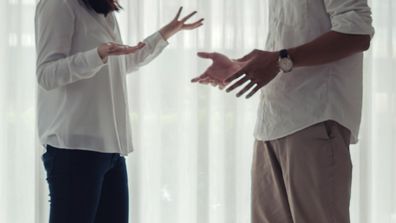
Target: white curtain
193,143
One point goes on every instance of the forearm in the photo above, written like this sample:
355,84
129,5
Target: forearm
55,72
154,45
329,47
166,33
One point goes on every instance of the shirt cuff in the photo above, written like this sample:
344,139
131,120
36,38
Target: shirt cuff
158,40
352,23
93,59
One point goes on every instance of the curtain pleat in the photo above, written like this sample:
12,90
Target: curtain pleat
193,144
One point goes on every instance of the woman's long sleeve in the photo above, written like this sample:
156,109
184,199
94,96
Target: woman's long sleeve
154,46
55,23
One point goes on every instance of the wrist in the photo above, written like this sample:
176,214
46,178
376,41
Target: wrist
285,62
163,33
102,55
166,32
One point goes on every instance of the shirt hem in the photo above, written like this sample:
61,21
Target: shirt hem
63,146
257,136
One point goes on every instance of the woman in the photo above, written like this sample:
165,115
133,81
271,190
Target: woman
82,105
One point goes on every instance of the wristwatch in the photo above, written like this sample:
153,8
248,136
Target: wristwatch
285,62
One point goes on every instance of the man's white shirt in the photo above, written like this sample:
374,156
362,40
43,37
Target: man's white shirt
309,95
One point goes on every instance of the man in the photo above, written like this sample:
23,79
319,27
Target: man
310,78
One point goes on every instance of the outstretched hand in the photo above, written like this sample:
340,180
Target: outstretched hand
221,69
260,68
177,25
115,49
255,70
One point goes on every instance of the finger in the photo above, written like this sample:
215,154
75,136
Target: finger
116,45
245,89
205,80
193,25
197,79
222,85
213,83
116,50
234,76
237,84
119,51
179,13
132,49
205,55
188,17
124,51
258,87
111,46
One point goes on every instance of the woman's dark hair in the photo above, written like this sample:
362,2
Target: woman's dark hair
103,6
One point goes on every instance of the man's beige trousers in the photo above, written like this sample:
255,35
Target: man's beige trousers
304,177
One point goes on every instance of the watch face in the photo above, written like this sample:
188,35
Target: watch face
286,64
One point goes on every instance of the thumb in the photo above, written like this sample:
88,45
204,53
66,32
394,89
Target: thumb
247,56
205,55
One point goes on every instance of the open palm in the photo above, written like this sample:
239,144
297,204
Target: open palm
221,69
253,71
177,24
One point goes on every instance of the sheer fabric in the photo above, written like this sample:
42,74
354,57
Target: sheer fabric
193,144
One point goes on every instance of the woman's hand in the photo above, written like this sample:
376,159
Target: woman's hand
177,25
113,49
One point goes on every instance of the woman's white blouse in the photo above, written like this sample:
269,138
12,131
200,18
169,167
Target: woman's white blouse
82,102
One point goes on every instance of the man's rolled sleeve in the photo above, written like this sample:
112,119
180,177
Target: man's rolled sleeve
350,16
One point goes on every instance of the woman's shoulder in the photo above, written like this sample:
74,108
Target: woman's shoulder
61,4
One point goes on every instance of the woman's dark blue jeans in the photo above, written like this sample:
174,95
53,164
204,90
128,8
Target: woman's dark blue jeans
86,187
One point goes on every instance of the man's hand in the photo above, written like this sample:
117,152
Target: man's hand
221,69
177,25
259,68
256,70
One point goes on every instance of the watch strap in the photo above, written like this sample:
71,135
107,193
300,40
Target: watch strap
283,53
